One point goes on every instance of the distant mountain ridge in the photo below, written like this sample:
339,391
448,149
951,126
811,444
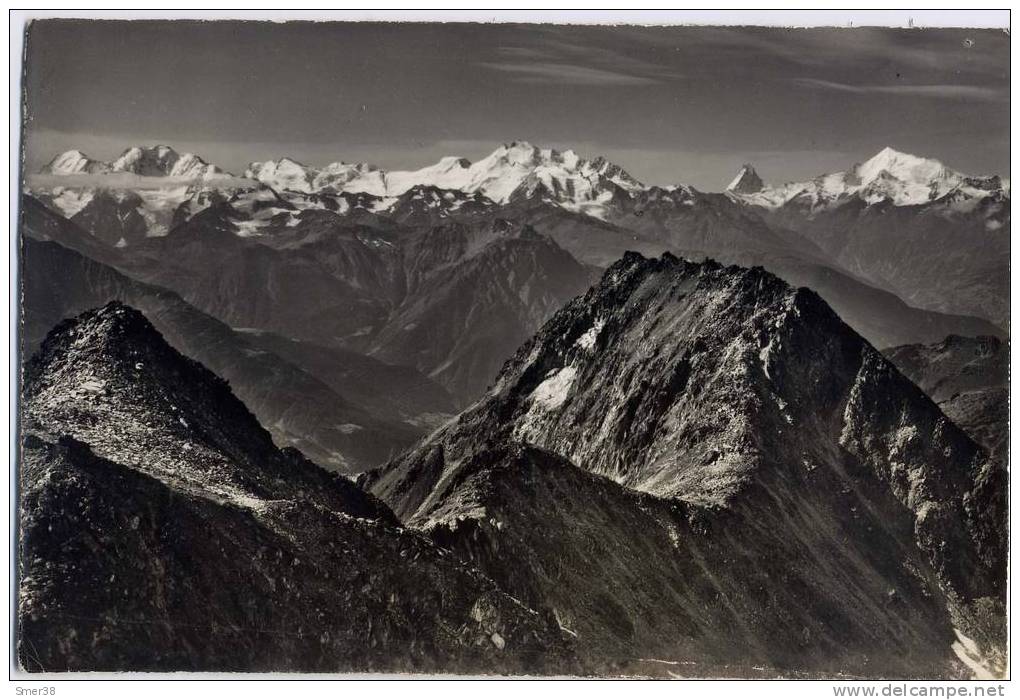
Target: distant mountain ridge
890,175
512,169
518,168
935,237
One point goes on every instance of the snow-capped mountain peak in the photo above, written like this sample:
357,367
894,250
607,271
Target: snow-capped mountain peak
164,161
903,166
285,174
450,163
525,154
74,162
747,181
518,152
141,160
904,178
570,179
147,161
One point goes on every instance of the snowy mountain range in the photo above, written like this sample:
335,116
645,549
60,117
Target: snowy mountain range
888,176
520,170
517,167
148,161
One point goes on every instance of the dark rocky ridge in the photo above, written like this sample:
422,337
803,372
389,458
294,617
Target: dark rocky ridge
706,591
769,426
162,530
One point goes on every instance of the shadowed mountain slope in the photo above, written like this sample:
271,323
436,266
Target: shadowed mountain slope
969,379
163,530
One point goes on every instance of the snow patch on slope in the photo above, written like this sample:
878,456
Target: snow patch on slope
588,338
967,650
555,389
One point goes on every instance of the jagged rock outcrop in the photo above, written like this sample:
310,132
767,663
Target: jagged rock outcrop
969,379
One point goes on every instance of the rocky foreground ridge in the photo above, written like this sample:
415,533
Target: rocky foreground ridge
162,529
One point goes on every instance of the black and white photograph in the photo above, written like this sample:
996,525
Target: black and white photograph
520,348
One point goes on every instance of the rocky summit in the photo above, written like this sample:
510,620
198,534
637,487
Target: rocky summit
701,464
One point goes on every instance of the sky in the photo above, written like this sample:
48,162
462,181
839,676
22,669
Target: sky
669,104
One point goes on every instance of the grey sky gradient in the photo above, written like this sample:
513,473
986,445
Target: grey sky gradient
668,104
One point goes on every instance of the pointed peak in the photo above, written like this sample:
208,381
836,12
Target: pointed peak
521,145
108,333
905,172
747,181
891,160
115,317
275,163
156,160
889,152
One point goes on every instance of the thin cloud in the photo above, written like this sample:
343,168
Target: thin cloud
958,92
562,62
608,59
844,52
523,52
567,74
